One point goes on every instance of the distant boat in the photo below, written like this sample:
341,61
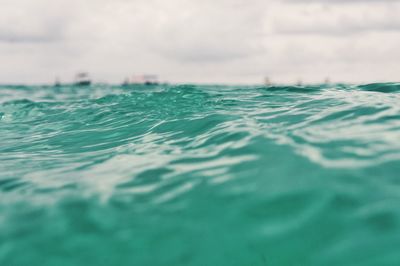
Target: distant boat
143,80
267,81
57,83
82,79
125,82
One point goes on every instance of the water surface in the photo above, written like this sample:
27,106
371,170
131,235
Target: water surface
200,175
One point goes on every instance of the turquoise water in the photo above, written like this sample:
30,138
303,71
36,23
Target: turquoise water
200,175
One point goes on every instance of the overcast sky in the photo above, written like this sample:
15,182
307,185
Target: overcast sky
211,41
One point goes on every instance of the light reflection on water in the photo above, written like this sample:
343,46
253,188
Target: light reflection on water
200,175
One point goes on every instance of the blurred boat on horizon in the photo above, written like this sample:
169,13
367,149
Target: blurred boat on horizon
141,80
82,79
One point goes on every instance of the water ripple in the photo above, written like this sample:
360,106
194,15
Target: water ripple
248,175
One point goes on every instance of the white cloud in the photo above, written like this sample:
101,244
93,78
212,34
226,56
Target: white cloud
322,19
200,41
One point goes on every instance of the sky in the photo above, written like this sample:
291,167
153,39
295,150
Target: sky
207,41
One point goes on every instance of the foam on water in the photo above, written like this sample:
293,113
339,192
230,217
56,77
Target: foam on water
200,175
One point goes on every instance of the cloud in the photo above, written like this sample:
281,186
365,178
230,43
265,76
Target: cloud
323,20
232,41
341,1
27,21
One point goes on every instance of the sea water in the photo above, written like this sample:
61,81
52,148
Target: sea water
200,175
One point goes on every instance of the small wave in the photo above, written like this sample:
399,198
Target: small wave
109,170
381,87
